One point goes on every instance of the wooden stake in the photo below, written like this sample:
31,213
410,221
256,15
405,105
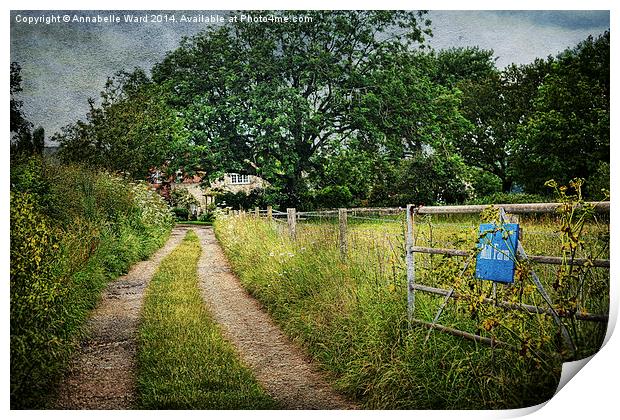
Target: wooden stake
292,221
410,263
342,221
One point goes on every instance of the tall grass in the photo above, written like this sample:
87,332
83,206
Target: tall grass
351,316
184,362
72,230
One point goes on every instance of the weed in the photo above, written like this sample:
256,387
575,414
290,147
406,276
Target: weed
351,316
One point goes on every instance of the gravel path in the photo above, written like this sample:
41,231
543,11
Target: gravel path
279,365
103,372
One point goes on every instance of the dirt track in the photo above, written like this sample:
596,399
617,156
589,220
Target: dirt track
279,365
103,372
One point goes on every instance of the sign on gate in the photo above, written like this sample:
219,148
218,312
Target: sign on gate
497,256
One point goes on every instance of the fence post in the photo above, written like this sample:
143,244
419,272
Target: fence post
410,263
269,212
342,221
257,211
292,220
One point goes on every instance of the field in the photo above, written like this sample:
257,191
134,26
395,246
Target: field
351,314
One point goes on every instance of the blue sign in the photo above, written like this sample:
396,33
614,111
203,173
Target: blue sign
498,251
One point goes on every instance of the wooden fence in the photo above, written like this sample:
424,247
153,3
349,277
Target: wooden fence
293,216
411,250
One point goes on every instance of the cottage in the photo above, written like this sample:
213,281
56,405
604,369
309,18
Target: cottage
205,196
233,182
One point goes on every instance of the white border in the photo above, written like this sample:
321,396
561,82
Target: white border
591,394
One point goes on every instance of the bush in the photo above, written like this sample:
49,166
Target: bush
180,214
333,196
261,197
484,183
72,230
208,216
36,297
509,198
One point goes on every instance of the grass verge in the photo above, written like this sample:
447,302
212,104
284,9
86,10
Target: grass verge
351,317
73,229
184,362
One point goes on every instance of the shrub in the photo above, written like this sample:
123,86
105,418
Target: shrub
180,214
261,197
333,196
509,198
208,216
72,230
484,183
36,298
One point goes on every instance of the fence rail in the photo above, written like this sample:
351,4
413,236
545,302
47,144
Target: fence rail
583,316
541,259
601,207
411,211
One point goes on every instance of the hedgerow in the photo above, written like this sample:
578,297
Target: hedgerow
72,230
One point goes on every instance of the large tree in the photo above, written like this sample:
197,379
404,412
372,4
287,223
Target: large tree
567,134
269,98
133,131
497,103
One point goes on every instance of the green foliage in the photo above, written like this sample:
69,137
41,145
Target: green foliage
424,178
38,140
180,197
567,134
453,66
578,288
184,361
497,102
36,291
21,136
267,99
509,198
332,197
261,197
353,167
72,230
180,213
209,215
134,130
484,183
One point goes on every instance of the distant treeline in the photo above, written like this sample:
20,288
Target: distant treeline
353,108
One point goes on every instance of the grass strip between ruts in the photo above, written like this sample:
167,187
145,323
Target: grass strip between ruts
184,362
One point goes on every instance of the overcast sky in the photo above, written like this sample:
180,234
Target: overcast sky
63,64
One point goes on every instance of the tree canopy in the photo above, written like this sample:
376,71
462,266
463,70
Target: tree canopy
346,106
567,133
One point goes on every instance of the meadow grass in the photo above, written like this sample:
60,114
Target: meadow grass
184,362
351,316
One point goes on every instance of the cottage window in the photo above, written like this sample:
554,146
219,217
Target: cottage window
239,179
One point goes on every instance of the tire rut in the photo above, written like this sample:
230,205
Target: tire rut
280,366
102,374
